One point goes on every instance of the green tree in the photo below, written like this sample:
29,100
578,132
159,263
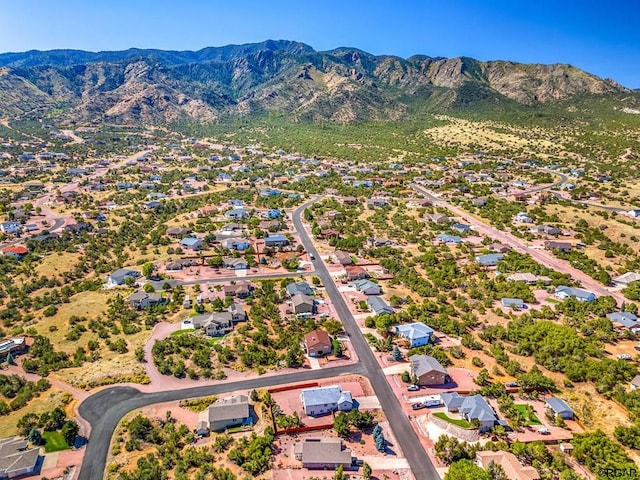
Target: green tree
35,437
466,470
70,431
147,269
366,471
396,354
342,425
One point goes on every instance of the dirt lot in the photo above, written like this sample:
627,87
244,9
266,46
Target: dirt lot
289,401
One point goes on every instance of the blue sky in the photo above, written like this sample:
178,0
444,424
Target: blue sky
600,37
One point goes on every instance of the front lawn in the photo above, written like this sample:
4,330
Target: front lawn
182,332
459,422
531,417
54,441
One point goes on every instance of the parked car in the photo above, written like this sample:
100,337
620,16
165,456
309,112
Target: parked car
418,406
637,347
413,388
512,384
543,431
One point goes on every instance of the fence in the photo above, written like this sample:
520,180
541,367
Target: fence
286,388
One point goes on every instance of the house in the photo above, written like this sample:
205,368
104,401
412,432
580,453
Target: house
446,238
349,201
625,279
235,263
378,305
299,287
273,213
10,227
269,225
428,370
419,203
479,202
635,382
231,227
417,333
142,299
473,408
119,277
557,406
15,251
317,343
318,401
546,230
178,232
322,454
302,304
213,324
238,314
12,346
516,303
236,214
227,412
522,217
354,272
510,464
240,290
377,202
461,227
16,459
367,287
563,292
624,320
634,213
343,258
239,244
498,247
192,243
439,218
560,246
519,197
278,240
180,264
489,259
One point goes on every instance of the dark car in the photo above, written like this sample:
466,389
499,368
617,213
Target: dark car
418,406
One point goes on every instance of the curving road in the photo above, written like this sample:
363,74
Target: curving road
409,442
106,408
543,257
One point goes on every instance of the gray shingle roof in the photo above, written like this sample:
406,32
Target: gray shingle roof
424,364
228,408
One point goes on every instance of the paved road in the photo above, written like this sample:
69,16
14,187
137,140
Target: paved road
541,256
409,442
105,408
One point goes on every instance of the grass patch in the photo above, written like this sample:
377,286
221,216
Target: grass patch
54,441
531,417
215,340
177,333
198,405
455,421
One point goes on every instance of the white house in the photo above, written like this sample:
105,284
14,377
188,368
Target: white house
10,227
324,400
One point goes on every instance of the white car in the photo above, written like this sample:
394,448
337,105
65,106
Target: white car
413,388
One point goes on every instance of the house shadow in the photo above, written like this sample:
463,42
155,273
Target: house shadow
451,384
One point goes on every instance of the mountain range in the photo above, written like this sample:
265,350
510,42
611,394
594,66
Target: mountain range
273,77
